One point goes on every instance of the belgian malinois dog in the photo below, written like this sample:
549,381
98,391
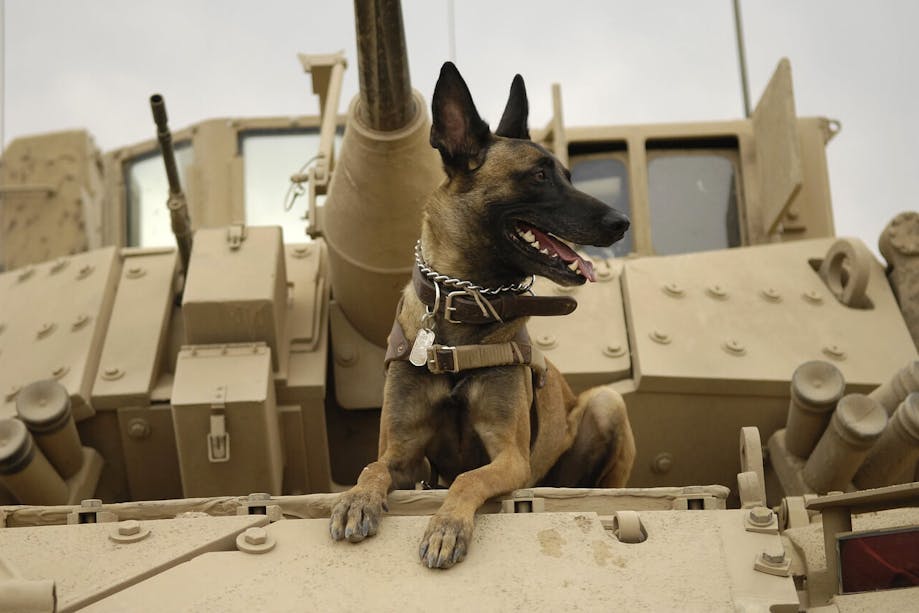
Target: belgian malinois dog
502,214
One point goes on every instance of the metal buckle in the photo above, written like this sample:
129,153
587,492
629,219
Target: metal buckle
449,308
433,364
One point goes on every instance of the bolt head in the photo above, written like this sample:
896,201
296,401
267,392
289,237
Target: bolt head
776,558
761,516
128,527
256,536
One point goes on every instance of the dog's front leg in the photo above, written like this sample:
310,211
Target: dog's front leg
499,409
405,430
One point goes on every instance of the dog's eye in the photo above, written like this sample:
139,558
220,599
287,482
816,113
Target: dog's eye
540,175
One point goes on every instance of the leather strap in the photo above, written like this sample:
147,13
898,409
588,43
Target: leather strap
462,307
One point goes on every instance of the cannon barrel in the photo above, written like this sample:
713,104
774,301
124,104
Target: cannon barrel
386,101
178,206
385,171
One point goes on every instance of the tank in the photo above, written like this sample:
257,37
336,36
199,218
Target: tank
176,421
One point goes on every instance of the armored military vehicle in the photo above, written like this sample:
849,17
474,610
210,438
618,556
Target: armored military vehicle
179,407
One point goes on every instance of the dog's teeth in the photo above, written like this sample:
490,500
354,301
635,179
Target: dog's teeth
535,244
554,255
528,236
573,266
545,252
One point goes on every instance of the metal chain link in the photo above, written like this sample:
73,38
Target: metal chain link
468,286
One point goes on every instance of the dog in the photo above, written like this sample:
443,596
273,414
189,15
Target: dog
502,214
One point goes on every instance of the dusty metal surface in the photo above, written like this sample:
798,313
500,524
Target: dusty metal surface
541,562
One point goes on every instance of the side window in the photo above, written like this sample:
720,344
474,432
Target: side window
269,160
693,201
148,190
605,177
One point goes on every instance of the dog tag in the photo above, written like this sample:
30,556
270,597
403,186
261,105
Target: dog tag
419,354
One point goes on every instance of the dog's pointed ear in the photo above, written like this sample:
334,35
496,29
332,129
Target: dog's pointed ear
457,131
514,120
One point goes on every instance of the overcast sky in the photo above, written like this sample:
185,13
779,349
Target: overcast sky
94,63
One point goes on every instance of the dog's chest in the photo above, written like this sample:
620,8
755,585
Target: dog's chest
455,447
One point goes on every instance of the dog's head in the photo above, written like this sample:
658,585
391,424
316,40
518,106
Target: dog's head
515,198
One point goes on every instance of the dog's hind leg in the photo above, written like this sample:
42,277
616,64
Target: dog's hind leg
603,451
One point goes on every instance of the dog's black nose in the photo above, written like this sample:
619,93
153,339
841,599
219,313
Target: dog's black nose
615,221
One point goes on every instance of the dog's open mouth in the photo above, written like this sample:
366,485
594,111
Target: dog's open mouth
551,251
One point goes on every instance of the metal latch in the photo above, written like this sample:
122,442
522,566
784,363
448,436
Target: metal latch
218,439
523,501
236,234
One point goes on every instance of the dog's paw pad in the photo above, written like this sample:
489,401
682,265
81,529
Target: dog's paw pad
355,516
445,542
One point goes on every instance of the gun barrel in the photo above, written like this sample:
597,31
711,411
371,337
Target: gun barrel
387,103
178,207
158,106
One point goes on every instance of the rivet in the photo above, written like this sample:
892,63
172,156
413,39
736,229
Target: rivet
603,271
716,291
25,273
59,265
302,251
138,428
400,348
85,271
662,463
770,294
80,321
812,296
546,341
346,354
46,329
761,516
128,527
614,350
835,352
734,347
60,371
673,289
111,373
135,272
256,535
659,336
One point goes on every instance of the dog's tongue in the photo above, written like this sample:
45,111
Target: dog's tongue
565,252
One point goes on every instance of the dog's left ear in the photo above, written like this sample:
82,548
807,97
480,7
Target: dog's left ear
457,131
514,120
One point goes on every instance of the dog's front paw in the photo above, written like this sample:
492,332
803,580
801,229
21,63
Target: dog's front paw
356,515
445,542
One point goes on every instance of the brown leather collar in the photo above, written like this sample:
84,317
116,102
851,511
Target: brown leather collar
460,307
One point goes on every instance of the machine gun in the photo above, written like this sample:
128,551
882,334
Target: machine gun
178,206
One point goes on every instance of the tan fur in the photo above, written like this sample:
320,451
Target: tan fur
475,428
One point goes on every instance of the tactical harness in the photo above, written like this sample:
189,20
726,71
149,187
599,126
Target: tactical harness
468,305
